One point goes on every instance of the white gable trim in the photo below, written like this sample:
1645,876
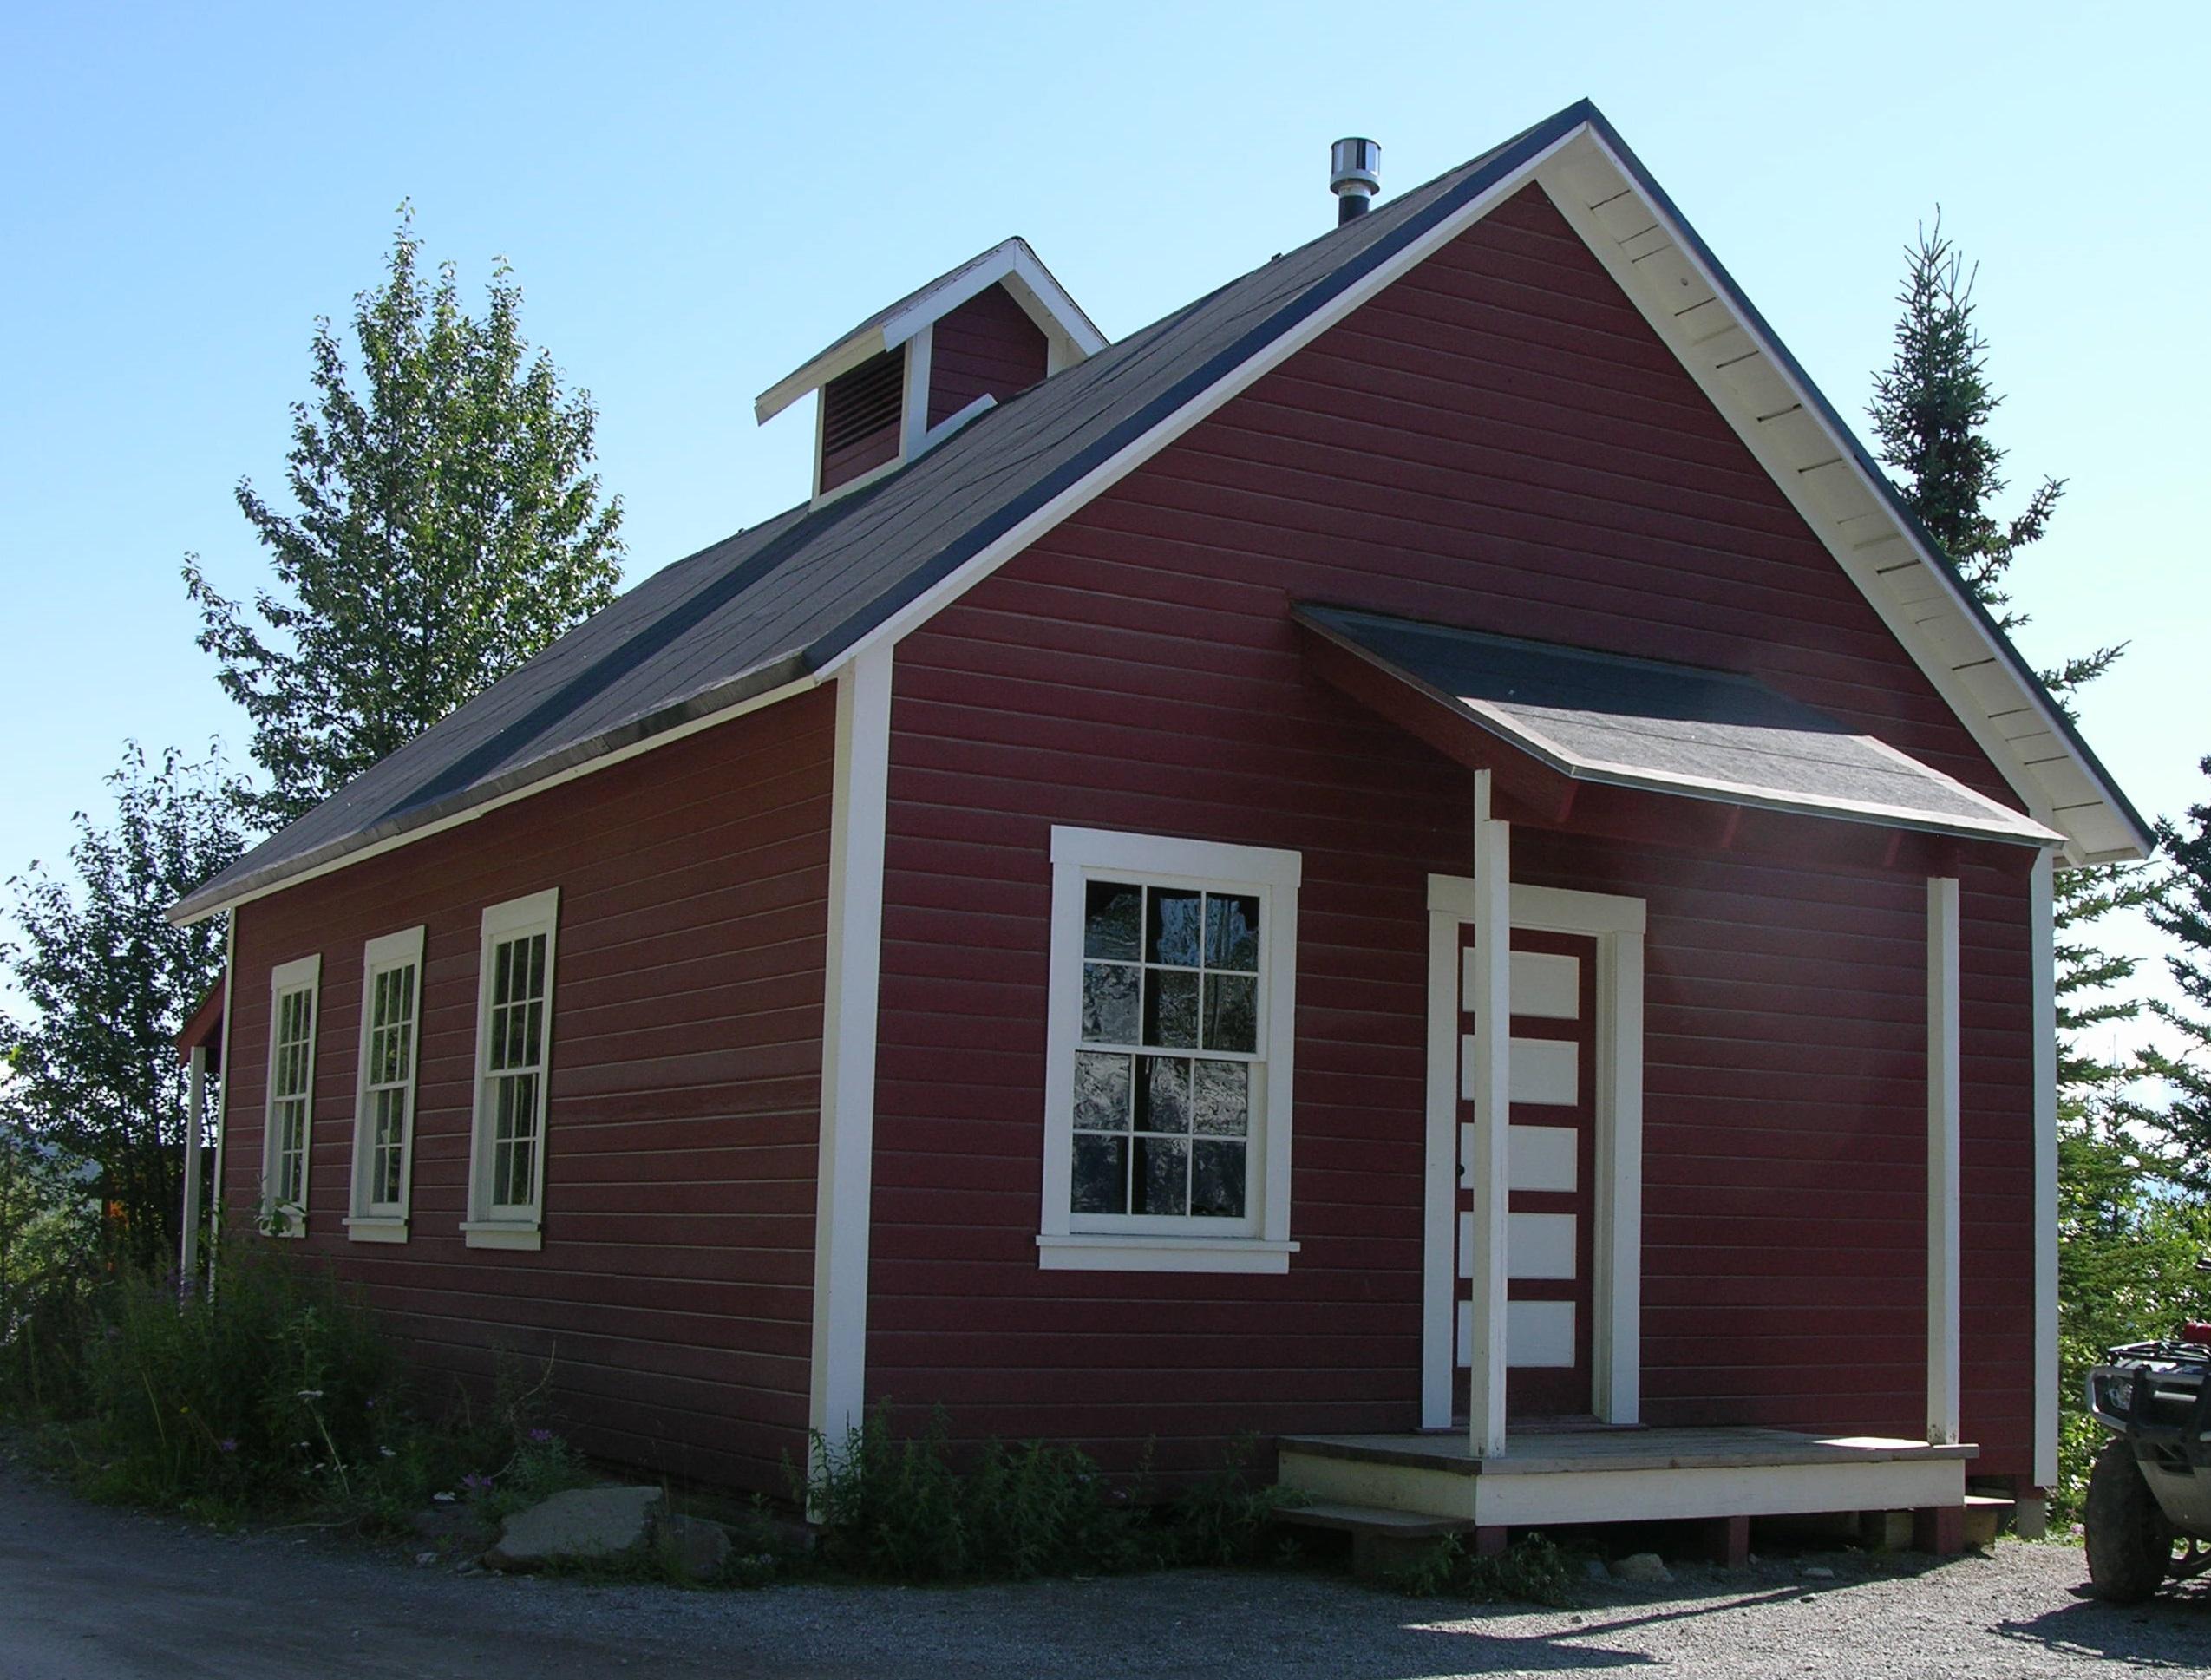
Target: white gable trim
1918,597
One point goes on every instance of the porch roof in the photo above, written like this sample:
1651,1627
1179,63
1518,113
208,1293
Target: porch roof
1659,728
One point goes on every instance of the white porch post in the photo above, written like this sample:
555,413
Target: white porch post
1942,1161
194,1126
1491,1093
2043,959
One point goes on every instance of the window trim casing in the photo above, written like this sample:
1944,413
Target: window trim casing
531,913
301,974
1077,855
363,1224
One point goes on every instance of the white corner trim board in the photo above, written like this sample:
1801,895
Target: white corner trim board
1489,1000
837,1396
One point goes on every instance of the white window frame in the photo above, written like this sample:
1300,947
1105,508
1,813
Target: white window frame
368,1221
1067,1241
509,1224
302,974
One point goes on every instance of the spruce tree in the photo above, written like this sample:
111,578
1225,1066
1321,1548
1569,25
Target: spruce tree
1931,411
2184,915
446,528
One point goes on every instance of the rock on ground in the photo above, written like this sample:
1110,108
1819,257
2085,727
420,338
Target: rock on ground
699,1547
1645,1568
585,1522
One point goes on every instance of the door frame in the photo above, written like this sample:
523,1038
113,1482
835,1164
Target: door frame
1617,922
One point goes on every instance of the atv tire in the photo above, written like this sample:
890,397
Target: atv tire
2130,1537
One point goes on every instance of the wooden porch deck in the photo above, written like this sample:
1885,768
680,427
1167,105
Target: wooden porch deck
1622,1476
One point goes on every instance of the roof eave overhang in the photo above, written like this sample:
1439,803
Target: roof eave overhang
1703,316
762,686
1472,734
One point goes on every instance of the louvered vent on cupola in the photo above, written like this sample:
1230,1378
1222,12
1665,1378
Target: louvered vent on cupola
861,413
915,374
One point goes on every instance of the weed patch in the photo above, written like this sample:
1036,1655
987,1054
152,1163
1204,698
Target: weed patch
1530,1571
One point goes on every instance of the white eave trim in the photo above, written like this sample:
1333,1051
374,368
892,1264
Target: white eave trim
1071,333
514,796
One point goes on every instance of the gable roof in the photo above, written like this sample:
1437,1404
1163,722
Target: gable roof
782,606
1012,263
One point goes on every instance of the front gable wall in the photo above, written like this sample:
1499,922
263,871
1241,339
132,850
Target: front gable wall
1497,441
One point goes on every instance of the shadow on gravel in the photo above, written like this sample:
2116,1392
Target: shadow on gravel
2143,1635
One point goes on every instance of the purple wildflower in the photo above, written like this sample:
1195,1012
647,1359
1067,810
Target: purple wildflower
475,1485
227,1444
541,1437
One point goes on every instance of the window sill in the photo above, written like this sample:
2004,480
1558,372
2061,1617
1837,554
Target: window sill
502,1233
1104,1252
376,1228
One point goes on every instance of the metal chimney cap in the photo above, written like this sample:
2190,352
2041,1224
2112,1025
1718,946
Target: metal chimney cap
1354,176
1355,166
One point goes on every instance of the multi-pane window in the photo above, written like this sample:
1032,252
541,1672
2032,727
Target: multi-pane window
1163,1080
513,1036
515,1067
289,1119
1167,1140
384,1110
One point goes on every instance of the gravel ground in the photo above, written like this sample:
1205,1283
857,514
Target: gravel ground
91,1594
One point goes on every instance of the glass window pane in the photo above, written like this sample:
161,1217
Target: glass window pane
1102,1091
1170,1009
1231,932
1163,1098
1171,934
1223,1099
1232,1012
1108,1004
537,966
1101,1181
1162,1176
1112,919
1217,1178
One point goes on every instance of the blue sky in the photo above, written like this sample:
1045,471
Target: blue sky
695,197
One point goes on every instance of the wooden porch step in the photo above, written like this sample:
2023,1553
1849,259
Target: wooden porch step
1985,1514
1371,1519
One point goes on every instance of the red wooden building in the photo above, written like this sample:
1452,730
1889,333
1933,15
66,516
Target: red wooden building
1026,930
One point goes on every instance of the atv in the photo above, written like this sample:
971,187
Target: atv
2149,1495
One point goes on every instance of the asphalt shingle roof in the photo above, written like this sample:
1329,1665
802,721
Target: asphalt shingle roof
769,604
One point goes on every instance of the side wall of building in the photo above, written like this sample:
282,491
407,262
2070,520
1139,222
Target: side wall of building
672,1294
1497,441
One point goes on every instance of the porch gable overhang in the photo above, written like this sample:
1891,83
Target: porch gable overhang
1548,720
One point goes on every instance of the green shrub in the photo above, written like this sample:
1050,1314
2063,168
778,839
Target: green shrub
1227,1518
1530,1571
896,1509
266,1393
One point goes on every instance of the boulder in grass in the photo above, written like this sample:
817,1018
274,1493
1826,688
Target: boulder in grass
577,1526
1644,1568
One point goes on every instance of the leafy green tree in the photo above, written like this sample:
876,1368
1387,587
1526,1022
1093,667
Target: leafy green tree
447,527
2184,915
93,1072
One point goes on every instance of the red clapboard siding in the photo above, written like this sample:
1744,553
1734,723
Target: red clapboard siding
1497,441
987,347
674,1291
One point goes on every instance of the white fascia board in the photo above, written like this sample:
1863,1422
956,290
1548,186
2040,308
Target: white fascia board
513,795
841,357
1916,629
1110,472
